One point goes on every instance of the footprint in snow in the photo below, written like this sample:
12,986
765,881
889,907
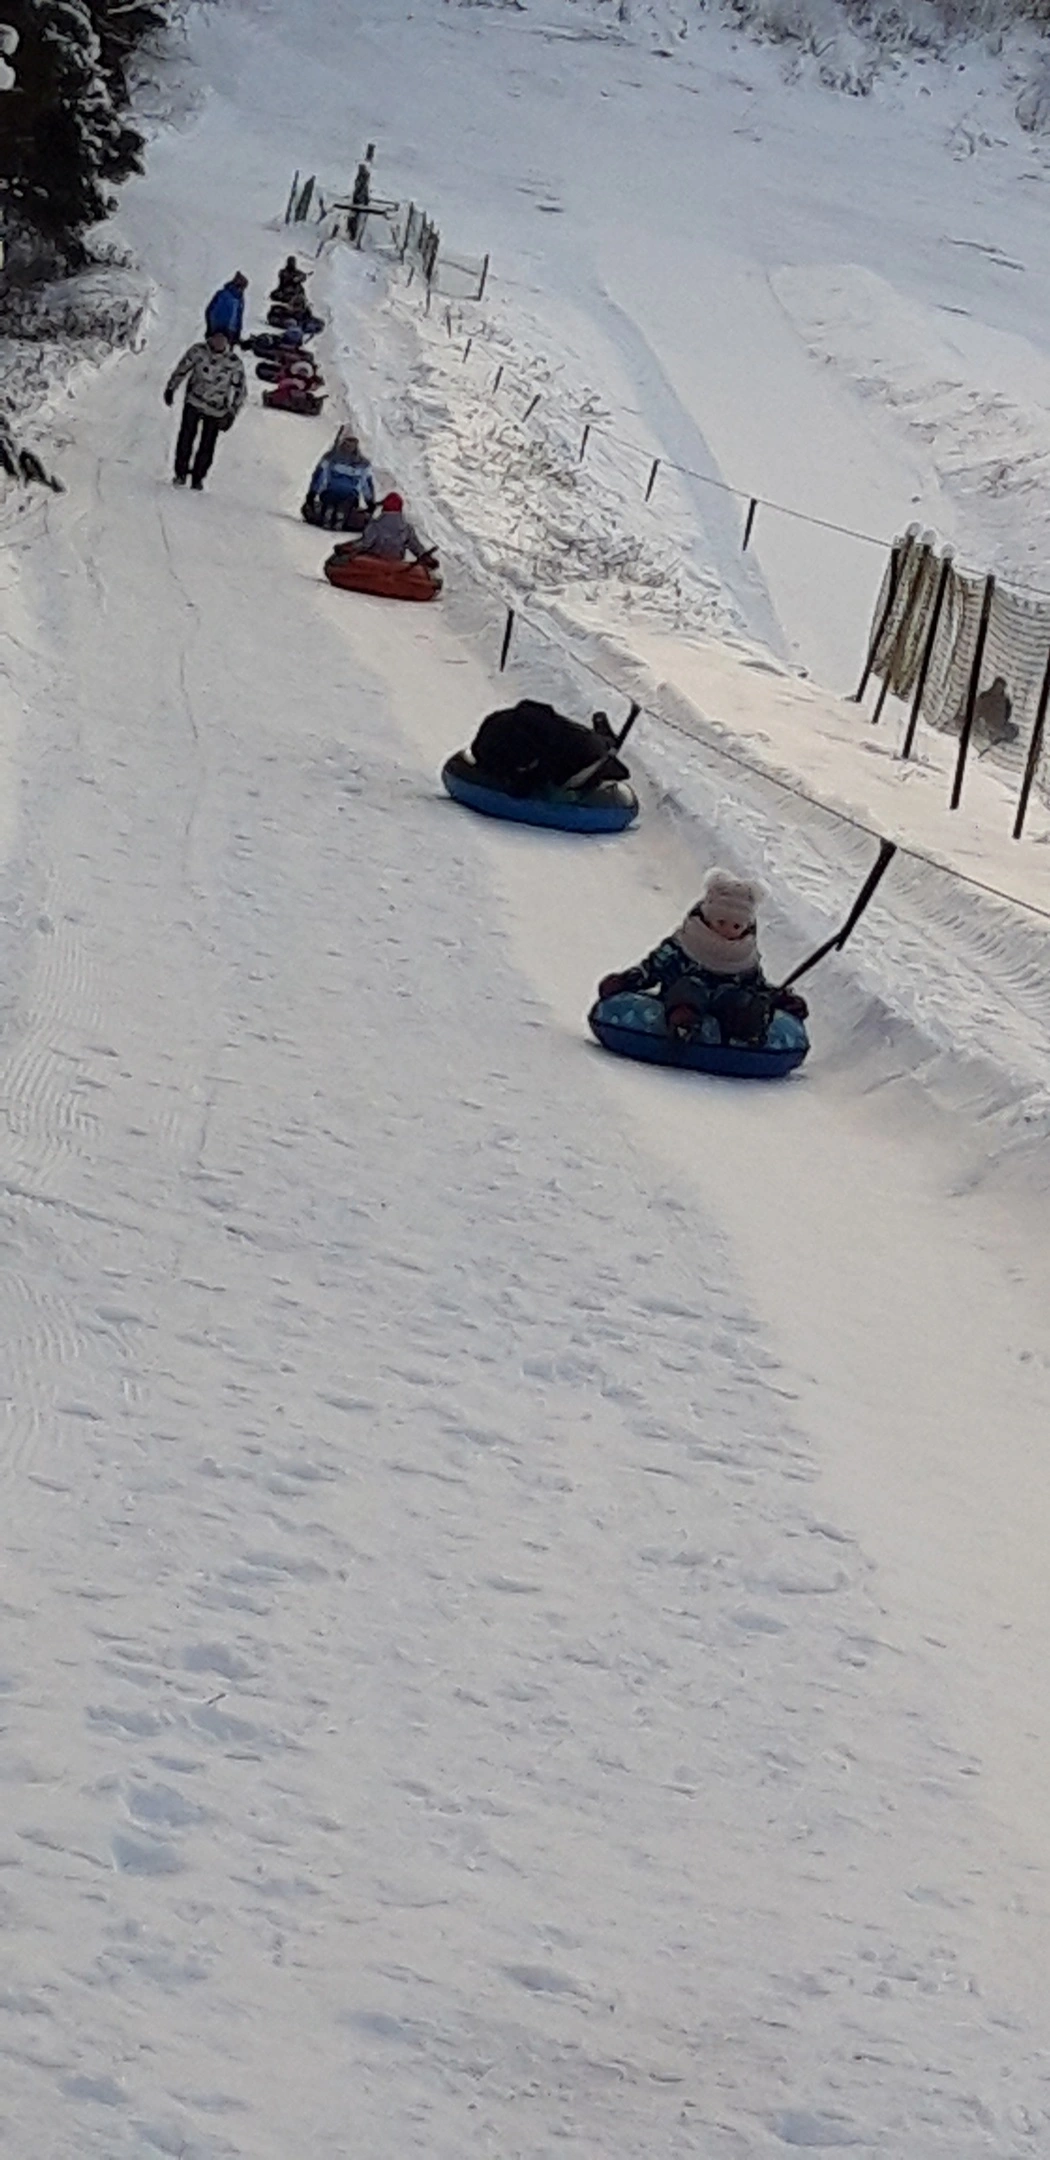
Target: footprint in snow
139,1856
799,2127
542,1980
103,2090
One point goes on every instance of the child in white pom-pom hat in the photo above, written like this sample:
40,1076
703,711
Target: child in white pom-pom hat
719,933
710,966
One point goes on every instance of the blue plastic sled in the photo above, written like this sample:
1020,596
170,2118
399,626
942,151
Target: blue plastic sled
633,1025
609,807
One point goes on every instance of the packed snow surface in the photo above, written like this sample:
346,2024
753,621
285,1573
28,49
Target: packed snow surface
525,1592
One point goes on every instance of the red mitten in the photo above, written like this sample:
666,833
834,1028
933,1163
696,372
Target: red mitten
609,985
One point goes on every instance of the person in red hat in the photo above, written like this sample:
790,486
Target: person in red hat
389,535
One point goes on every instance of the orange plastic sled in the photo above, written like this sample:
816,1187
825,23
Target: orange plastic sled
389,580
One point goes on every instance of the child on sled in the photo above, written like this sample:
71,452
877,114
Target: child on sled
709,970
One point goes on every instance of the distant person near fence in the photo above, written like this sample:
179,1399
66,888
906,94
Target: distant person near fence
361,198
970,653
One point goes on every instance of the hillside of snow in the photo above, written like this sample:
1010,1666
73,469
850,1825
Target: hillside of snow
524,1575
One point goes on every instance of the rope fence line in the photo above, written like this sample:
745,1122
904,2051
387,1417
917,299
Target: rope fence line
476,342
592,425
516,614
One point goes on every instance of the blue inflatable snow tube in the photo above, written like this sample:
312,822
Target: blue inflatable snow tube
607,808
633,1025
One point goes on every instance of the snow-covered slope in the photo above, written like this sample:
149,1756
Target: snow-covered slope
524,1597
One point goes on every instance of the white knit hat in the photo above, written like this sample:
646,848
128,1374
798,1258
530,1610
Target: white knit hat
740,895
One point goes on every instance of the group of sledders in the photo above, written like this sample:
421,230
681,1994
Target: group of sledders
213,370
385,554
282,354
700,997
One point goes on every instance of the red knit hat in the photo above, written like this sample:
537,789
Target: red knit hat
392,502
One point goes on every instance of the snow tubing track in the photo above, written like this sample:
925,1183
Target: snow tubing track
389,580
618,1024
607,808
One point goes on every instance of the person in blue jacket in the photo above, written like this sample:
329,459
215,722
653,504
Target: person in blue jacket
342,488
225,309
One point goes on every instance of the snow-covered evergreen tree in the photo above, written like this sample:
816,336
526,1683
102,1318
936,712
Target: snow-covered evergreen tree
121,25
65,141
8,45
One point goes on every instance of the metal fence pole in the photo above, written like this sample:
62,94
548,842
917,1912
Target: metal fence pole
508,632
1034,752
651,482
749,523
483,280
632,716
927,653
971,694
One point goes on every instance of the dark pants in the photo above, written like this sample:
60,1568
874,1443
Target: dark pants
192,419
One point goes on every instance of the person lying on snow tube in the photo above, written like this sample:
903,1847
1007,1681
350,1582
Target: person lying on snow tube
276,358
342,490
389,536
265,344
708,973
300,386
527,748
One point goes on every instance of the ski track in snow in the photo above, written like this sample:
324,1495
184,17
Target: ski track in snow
440,1712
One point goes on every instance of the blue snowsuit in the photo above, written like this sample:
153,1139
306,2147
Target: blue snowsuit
344,479
225,311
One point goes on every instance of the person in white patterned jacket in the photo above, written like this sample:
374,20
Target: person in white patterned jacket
216,388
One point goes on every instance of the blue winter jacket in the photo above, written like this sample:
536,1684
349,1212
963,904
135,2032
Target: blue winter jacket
341,478
225,311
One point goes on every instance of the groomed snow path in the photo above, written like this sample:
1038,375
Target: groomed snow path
455,1702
